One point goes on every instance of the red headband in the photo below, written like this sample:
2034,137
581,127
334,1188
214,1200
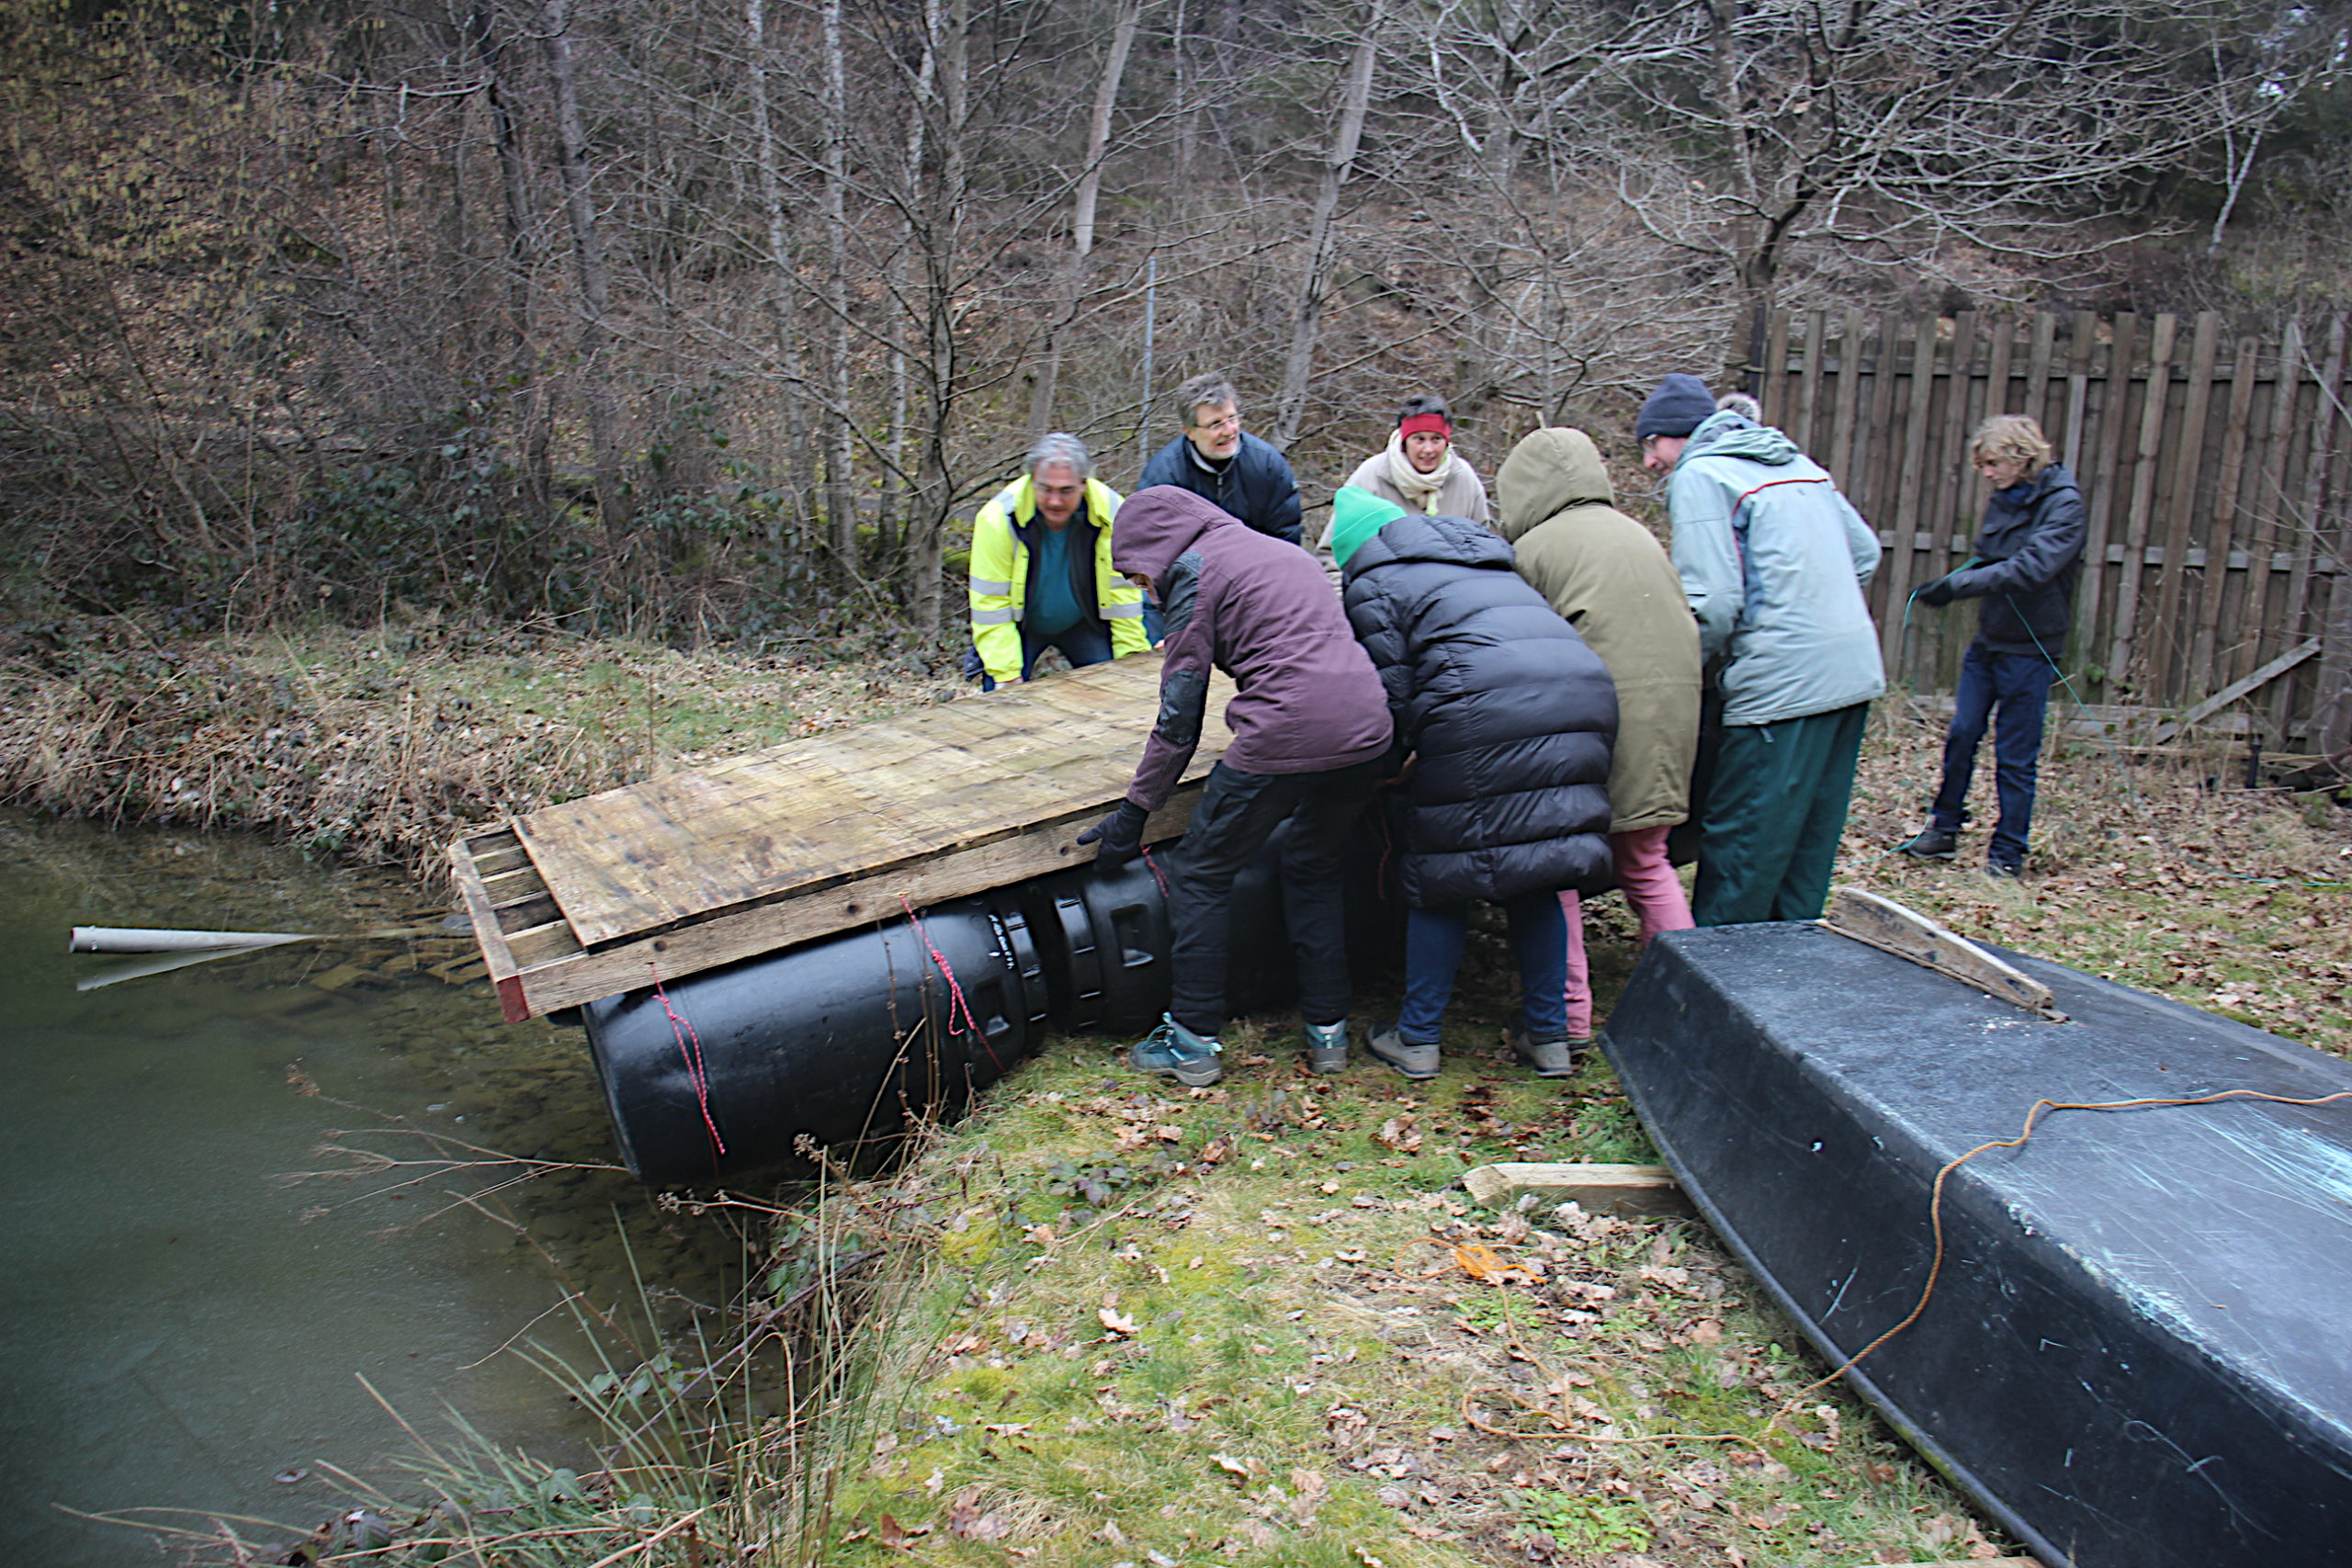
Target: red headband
1414,423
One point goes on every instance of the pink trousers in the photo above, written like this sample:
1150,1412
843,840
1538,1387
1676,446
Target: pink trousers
1655,894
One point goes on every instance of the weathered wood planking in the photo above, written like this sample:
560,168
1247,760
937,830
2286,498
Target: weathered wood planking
780,846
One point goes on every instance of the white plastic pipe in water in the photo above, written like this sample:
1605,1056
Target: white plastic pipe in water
125,939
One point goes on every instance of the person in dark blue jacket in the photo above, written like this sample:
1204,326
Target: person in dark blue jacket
1511,720
1224,464
2028,556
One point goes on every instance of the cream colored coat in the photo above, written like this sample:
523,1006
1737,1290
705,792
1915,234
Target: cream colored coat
1609,577
1461,495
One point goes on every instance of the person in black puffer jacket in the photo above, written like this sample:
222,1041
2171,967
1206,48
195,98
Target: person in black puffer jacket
1510,720
2028,556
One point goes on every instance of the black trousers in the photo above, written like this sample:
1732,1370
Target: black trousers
1237,813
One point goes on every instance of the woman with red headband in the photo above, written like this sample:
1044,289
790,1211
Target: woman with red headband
1421,471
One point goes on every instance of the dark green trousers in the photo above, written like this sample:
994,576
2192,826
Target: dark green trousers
1773,818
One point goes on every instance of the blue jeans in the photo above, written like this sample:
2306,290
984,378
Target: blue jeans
2017,685
1433,940
1089,642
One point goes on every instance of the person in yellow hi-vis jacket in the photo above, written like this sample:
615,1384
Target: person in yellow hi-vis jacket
1041,570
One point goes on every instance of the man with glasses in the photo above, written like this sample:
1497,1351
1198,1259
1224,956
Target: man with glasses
1224,464
1041,572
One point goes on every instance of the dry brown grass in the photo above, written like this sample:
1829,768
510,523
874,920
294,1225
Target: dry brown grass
383,744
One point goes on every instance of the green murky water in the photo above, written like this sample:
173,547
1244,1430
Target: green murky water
185,1322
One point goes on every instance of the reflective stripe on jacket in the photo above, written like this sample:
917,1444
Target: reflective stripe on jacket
1002,562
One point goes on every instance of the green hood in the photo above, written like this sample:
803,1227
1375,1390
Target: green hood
1733,435
1546,474
1357,515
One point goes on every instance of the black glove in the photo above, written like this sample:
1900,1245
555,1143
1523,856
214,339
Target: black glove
1118,838
1937,594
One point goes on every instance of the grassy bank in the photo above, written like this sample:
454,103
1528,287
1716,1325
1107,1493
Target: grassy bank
381,745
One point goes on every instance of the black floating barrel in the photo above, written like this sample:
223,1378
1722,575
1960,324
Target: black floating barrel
840,1038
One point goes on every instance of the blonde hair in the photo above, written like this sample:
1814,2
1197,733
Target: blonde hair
2011,437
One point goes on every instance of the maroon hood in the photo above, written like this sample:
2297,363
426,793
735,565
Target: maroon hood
1156,526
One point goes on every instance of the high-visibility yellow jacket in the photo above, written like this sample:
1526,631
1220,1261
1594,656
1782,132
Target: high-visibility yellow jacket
1002,535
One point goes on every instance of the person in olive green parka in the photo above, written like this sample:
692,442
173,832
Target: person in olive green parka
1607,576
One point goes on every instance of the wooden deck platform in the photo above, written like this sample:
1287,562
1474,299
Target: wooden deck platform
697,869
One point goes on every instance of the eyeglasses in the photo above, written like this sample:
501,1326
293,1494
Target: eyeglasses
1230,421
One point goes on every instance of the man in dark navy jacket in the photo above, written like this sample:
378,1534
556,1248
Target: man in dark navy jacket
1224,464
2028,556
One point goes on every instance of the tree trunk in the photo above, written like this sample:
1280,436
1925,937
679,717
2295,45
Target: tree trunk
945,219
1306,321
841,505
516,182
784,284
596,284
1090,190
897,494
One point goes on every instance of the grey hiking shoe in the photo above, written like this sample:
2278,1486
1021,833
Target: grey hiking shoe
1931,844
1327,1047
1172,1051
1550,1058
1413,1060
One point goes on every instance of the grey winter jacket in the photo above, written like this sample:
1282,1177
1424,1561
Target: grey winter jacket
1512,715
2031,551
1773,561
1306,699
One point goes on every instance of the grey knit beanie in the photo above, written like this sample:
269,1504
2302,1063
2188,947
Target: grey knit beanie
1680,406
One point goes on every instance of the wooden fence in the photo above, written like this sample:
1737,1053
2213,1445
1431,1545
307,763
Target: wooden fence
2212,464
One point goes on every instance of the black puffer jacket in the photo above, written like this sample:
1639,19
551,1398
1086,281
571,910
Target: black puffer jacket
2031,545
1512,716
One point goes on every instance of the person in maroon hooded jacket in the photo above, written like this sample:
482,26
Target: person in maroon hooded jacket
1310,736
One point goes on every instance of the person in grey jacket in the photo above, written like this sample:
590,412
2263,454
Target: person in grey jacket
1773,562
2029,555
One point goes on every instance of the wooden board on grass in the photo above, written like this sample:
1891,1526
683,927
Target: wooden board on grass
1625,1190
697,869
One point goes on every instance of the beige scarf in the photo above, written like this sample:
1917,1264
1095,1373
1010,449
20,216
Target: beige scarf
1420,490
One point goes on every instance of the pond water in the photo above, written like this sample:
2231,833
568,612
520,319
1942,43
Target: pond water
184,1321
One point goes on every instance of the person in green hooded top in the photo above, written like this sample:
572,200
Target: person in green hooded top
1508,717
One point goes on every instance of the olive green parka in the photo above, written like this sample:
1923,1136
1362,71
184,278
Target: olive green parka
1608,577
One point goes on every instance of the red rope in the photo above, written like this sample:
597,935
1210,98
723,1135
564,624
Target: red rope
684,1033
955,991
1153,866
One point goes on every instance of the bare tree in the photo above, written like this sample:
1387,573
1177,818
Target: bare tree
1306,315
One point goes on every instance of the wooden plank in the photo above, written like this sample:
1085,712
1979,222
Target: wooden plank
1810,396
2312,511
2167,645
496,956
1627,1192
1878,469
1895,927
1776,369
1911,480
2236,420
1953,519
853,803
2124,632
823,911
2235,690
2089,606
2001,337
2262,639
2037,378
2074,442
1850,384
